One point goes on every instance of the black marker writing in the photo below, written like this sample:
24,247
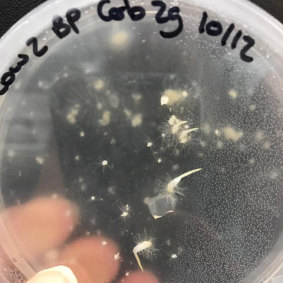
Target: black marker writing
215,28
20,64
136,13
236,39
62,29
203,22
173,15
34,42
250,43
227,34
9,77
73,16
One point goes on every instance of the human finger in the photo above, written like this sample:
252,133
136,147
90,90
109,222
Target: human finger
140,277
40,224
92,259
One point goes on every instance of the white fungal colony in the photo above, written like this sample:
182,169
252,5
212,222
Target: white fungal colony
149,144
233,94
172,187
137,120
174,256
119,39
125,211
105,120
40,160
171,97
232,134
72,114
104,163
165,201
99,84
136,97
145,248
178,130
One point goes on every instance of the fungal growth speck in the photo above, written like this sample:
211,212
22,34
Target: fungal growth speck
171,188
145,248
165,202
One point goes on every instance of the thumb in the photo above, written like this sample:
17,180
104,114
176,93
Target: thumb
58,274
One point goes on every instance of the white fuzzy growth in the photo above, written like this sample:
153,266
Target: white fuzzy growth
184,136
233,94
40,160
104,163
125,214
99,84
136,97
172,120
139,248
179,130
232,134
137,120
171,187
119,39
160,216
149,144
106,117
164,100
73,113
173,96
125,211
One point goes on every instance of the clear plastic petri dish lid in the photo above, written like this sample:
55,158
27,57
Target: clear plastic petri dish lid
143,136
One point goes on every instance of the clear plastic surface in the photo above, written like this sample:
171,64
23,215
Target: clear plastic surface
170,147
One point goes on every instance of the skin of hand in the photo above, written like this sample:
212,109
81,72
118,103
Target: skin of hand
44,224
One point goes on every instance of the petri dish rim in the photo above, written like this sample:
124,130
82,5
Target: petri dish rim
269,29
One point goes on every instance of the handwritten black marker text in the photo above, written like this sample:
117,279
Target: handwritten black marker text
63,26
215,28
9,77
63,29
59,27
137,13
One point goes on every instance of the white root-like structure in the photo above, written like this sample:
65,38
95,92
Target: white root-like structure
139,248
174,183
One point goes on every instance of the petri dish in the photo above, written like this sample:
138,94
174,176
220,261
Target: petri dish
161,122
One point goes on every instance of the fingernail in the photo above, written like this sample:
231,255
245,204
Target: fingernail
58,274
